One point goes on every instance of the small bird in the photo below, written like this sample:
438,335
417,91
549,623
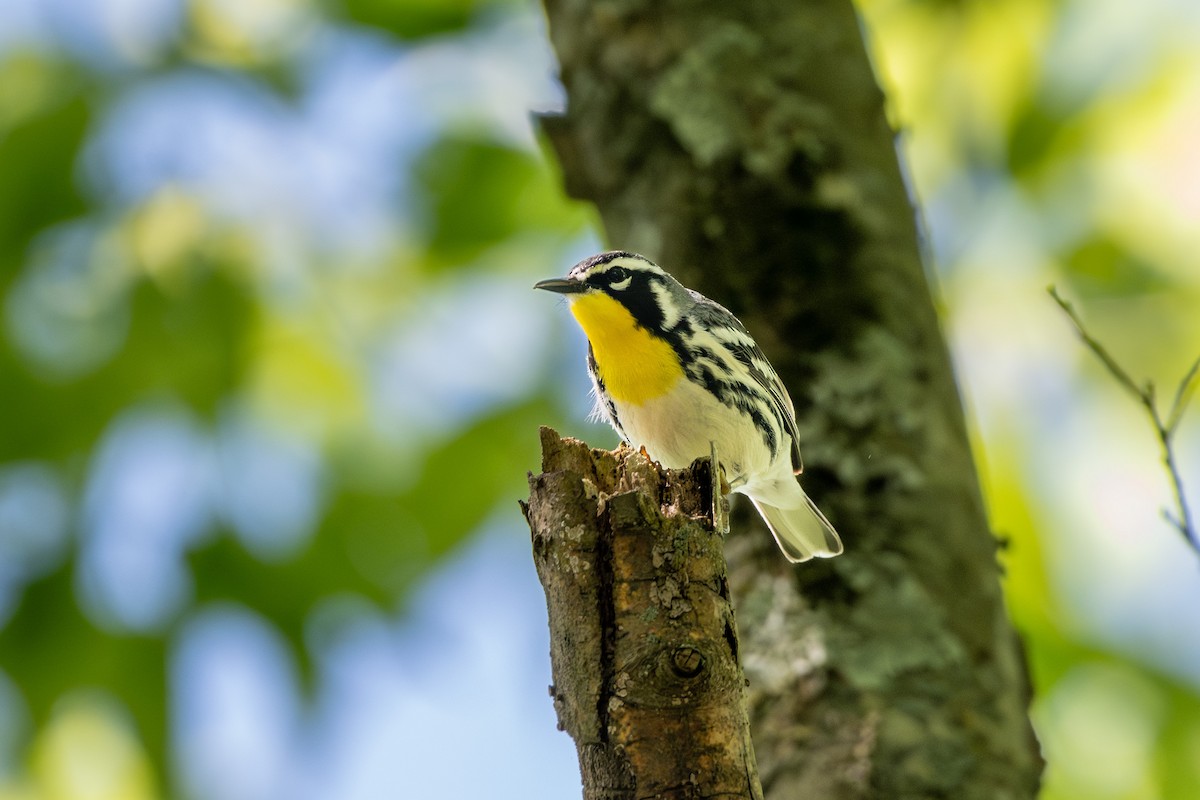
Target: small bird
676,373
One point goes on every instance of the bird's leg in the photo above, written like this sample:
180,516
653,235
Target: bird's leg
720,488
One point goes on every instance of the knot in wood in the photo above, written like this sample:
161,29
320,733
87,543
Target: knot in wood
687,661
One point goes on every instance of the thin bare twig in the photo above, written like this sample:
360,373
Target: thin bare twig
1146,396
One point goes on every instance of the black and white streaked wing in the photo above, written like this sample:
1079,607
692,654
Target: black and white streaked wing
737,341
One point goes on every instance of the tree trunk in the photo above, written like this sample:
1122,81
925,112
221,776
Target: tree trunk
644,648
744,147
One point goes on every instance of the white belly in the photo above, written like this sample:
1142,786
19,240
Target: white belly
678,427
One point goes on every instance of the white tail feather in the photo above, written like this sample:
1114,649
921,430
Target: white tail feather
802,532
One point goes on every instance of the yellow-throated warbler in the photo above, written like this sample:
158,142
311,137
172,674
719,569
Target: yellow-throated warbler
675,373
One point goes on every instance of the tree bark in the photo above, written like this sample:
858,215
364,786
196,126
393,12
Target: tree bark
644,648
744,147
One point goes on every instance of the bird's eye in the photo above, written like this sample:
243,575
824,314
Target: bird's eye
617,274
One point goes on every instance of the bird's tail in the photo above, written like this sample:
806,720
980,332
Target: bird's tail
801,532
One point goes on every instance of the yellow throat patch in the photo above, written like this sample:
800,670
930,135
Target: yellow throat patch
635,365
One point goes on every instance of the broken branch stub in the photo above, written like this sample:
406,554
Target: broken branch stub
643,644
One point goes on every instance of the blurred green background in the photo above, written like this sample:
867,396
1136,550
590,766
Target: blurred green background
271,375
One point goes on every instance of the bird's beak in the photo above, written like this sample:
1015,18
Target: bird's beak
561,285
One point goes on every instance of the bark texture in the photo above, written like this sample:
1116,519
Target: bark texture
744,147
644,649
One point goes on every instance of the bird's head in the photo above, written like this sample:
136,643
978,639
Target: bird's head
654,299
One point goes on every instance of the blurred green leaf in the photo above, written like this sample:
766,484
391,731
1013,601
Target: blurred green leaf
49,648
413,19
481,193
375,534
465,479
377,543
184,343
1174,770
1176,763
1039,133
393,529
187,340
37,170
1102,266
284,592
